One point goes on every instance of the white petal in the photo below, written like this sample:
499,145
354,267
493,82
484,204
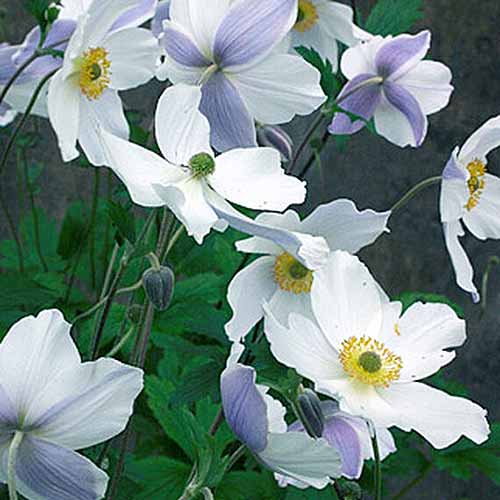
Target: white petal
430,83
35,351
139,169
133,54
253,178
246,293
84,406
421,337
181,130
345,227
361,58
64,113
319,40
454,190
295,454
104,113
394,125
178,73
188,200
275,411
483,221
461,263
200,21
346,300
441,419
336,21
481,142
302,346
279,88
20,95
284,303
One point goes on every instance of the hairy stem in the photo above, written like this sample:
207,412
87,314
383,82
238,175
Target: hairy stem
11,464
414,191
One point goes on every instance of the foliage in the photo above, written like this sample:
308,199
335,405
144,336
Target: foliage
393,17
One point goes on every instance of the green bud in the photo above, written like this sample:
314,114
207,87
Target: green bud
310,413
350,490
159,286
202,164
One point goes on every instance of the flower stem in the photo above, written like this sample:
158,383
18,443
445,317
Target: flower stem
122,342
17,74
378,467
15,235
413,191
93,216
235,457
11,464
492,262
406,489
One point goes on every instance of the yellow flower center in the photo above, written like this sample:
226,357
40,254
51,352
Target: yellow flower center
369,361
291,275
306,17
94,72
477,170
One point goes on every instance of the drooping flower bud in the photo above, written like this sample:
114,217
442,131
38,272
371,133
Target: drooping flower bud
275,137
310,413
159,286
350,490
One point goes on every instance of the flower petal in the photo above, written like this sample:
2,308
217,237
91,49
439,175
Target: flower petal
278,88
284,303
104,113
45,470
231,125
358,100
454,190
181,130
34,351
251,29
139,169
64,114
441,419
344,226
346,299
247,291
253,178
180,47
244,406
461,263
86,405
142,12
400,54
360,59
481,142
133,54
405,103
162,13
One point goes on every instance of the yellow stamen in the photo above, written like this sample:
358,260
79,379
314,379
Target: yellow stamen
397,330
291,275
477,171
94,72
369,361
306,17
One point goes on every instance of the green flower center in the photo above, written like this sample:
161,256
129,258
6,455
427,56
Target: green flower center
202,164
370,362
95,71
298,271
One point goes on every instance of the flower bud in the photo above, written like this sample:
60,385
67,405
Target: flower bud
275,137
310,413
159,286
350,490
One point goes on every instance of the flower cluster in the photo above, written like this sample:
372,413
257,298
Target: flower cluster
232,73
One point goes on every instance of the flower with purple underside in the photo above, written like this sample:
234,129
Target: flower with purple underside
258,421
53,404
322,24
274,136
470,195
230,50
364,352
390,82
83,95
278,278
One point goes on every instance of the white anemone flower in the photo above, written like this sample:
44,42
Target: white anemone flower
52,404
322,24
470,195
83,95
278,278
191,180
366,354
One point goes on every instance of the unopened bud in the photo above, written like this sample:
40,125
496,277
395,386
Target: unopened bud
159,286
311,414
350,490
134,314
275,137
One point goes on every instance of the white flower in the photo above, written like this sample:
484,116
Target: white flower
471,195
321,24
52,404
278,277
367,355
192,182
83,94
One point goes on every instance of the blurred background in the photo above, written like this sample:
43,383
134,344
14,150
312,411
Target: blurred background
375,174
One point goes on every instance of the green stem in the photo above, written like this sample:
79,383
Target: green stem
173,240
122,342
311,159
378,467
338,490
93,216
34,213
109,271
235,457
22,121
414,191
305,141
13,231
11,464
492,262
406,489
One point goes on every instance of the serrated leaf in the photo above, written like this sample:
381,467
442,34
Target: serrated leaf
393,17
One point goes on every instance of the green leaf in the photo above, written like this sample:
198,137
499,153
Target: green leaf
123,220
393,17
73,232
250,485
409,298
